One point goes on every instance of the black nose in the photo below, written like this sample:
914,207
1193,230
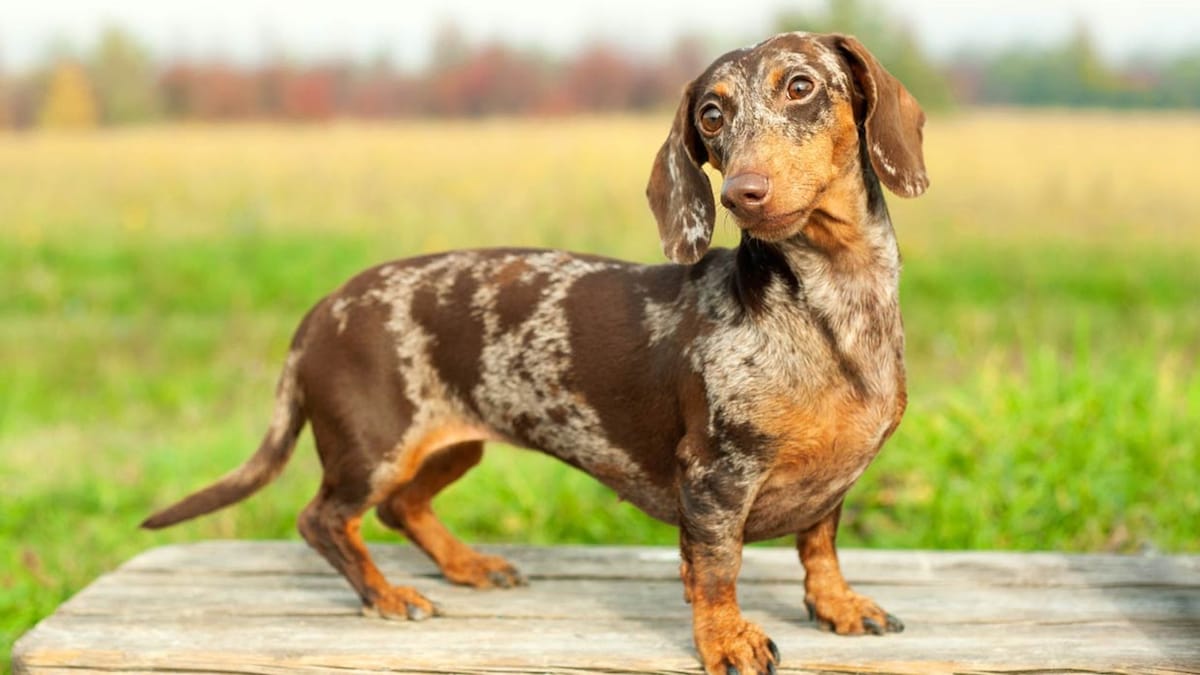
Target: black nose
745,192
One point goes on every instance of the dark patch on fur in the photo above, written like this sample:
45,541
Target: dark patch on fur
631,384
757,264
699,270
662,283
744,439
516,300
523,425
456,346
876,204
849,370
557,414
354,393
708,498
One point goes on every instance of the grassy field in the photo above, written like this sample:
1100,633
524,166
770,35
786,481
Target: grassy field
151,279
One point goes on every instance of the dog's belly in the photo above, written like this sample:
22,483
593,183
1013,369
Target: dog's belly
790,509
578,441
631,485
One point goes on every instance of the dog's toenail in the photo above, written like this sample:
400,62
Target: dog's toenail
416,612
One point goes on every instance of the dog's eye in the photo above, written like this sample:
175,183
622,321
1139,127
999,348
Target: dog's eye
711,119
800,87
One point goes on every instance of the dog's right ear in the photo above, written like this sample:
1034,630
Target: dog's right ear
679,191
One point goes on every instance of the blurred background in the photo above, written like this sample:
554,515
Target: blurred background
85,64
180,181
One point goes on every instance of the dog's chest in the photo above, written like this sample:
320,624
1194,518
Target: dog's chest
819,453
824,410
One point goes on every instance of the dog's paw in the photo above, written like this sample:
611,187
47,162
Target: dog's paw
401,603
849,613
736,647
483,571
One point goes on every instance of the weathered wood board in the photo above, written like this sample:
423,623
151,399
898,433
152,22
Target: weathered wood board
276,607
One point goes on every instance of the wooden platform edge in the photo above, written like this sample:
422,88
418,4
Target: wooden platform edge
271,607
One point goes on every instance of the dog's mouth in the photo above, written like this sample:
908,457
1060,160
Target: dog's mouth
776,227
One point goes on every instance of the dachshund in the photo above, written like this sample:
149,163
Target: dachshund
736,393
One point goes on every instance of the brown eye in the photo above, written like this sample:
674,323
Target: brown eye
800,87
711,119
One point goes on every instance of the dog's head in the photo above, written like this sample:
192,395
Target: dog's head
781,121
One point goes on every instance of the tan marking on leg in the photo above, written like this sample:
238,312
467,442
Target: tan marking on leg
830,600
342,545
408,460
410,509
724,638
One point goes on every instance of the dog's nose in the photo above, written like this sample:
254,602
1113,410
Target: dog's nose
745,192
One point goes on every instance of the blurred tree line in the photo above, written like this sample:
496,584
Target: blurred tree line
1070,74
118,81
1073,74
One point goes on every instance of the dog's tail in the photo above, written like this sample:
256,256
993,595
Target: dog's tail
260,469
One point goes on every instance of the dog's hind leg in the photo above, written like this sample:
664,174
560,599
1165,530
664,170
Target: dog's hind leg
409,509
350,451
331,526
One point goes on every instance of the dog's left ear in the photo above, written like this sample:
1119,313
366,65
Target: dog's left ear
679,191
893,121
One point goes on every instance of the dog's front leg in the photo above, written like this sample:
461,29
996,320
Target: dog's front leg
713,510
830,600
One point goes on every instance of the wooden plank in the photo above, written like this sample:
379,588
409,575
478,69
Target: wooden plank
156,594
761,564
627,644
275,607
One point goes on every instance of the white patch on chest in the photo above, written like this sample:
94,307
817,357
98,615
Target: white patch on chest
743,360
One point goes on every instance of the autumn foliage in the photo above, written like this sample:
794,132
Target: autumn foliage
119,82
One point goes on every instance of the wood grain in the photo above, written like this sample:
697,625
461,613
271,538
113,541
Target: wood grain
275,607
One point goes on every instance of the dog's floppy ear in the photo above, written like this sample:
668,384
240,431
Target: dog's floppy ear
679,191
893,121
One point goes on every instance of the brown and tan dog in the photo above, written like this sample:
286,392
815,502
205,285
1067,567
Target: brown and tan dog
738,394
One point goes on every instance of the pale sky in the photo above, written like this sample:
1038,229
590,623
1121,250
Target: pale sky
248,30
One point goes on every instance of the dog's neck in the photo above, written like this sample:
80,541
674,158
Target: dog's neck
844,268
850,225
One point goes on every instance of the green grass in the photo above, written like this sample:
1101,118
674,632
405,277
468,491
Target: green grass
1054,387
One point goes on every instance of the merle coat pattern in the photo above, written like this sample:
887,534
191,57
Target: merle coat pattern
736,393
